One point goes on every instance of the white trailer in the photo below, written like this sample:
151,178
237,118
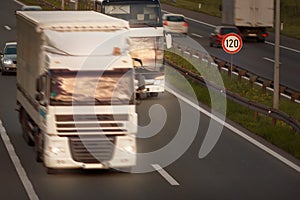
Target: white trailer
75,89
251,17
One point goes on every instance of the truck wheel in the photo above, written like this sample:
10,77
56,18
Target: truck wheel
25,128
38,147
142,95
154,94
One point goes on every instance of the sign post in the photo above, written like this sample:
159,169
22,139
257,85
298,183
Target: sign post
232,43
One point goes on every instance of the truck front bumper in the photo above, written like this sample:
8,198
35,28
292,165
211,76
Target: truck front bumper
58,154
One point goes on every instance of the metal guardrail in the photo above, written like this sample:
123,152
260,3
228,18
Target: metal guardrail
292,94
273,113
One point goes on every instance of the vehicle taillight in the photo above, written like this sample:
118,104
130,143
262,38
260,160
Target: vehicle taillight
219,36
165,23
185,24
265,34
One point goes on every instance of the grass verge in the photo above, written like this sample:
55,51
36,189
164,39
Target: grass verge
280,135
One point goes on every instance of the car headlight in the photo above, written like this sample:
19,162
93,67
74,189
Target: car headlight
7,61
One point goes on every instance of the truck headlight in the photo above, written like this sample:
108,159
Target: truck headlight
129,149
56,148
127,145
159,80
7,61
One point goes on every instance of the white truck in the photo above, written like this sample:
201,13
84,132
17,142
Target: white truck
75,89
251,17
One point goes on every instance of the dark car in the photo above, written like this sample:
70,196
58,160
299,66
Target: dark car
215,38
9,58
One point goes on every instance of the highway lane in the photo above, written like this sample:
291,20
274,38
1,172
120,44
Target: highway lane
255,57
235,169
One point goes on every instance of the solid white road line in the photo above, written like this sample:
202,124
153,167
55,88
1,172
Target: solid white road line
7,27
165,174
238,132
16,162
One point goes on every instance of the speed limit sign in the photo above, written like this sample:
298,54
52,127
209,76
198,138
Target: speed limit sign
232,43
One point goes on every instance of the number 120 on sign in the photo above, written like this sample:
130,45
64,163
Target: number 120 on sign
232,43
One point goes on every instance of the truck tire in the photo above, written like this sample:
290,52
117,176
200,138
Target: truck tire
25,128
154,94
141,95
38,147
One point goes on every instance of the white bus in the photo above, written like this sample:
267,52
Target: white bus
147,40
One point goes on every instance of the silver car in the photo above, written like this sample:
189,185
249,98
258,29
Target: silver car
9,58
175,23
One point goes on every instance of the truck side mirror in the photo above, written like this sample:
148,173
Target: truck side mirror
168,40
40,87
41,83
138,60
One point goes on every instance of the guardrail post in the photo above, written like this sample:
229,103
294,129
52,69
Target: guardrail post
266,84
220,64
274,121
252,80
210,61
255,115
295,96
281,90
230,70
241,73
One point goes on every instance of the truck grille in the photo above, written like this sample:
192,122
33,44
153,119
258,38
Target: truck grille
92,149
106,123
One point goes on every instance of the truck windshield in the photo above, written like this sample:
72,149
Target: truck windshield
149,50
137,14
90,87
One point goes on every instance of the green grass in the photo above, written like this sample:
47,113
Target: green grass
281,135
242,88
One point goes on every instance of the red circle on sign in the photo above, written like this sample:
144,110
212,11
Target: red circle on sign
232,43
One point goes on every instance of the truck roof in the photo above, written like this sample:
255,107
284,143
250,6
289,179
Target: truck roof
73,20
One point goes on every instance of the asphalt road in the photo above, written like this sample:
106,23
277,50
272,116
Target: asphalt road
254,57
234,169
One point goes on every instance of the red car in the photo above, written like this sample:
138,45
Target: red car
215,38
